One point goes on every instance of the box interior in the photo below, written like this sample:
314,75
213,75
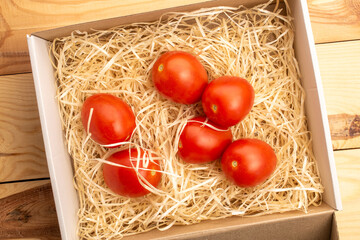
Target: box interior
59,163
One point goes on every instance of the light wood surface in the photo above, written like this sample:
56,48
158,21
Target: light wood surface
22,154
348,170
335,20
8,189
339,66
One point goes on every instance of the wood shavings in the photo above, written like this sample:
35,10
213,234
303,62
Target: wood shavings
255,44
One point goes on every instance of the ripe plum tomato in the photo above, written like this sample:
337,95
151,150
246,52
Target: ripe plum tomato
179,76
200,143
124,180
112,120
227,100
248,162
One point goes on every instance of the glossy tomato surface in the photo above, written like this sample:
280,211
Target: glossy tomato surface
124,181
112,120
248,162
200,143
227,100
179,76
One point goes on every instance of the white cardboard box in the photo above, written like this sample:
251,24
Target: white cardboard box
319,223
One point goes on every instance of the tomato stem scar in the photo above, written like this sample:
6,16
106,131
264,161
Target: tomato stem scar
234,163
180,144
161,68
214,108
153,173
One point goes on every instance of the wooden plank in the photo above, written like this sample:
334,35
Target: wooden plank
345,130
14,167
7,189
14,55
29,214
39,238
334,20
348,171
331,21
339,66
22,153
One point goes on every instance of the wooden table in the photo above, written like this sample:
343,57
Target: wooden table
26,201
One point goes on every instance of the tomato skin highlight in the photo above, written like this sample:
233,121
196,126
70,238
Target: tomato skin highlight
201,144
112,120
124,181
248,162
227,100
180,77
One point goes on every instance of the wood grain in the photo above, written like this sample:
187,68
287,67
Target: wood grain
348,171
332,20
345,130
335,20
22,153
339,66
7,189
40,238
15,167
29,214
344,126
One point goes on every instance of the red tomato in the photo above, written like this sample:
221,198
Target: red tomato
124,181
112,119
200,143
227,100
180,77
248,162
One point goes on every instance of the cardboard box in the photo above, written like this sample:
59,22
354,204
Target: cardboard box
319,223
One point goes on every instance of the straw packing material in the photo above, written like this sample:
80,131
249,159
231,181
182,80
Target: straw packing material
256,44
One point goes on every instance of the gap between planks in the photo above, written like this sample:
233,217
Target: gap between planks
10,188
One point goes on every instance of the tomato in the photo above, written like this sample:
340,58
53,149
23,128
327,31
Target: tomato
179,76
200,143
227,100
112,120
124,181
248,162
